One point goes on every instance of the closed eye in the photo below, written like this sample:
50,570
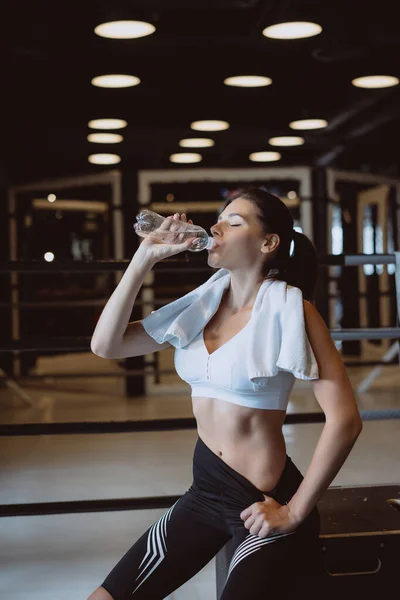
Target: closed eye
230,224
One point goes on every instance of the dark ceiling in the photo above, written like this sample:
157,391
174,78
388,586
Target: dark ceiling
52,53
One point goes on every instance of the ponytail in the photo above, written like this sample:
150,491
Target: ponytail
300,269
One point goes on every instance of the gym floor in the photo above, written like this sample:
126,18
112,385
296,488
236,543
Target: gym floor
67,556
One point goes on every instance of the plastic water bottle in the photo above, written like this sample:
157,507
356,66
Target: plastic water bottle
149,222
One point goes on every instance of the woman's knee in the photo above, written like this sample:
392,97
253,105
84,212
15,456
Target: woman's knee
100,594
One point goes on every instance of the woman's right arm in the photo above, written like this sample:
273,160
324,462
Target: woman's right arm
109,337
114,336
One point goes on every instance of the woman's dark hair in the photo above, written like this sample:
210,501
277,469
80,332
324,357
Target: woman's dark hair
299,269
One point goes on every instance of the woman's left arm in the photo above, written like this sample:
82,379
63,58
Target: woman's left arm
343,424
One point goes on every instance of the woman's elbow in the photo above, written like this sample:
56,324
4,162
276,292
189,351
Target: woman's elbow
352,425
356,425
98,350
348,424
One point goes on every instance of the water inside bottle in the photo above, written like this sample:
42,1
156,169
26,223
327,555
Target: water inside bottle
145,228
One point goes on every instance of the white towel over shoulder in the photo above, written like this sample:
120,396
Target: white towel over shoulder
278,338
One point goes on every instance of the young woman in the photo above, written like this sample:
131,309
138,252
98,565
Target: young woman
245,488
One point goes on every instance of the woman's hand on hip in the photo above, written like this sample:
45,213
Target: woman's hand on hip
268,518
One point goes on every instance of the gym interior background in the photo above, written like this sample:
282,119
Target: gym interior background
101,122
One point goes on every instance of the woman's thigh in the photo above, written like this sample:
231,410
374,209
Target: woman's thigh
167,555
260,566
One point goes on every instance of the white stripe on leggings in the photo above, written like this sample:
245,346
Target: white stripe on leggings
156,546
251,544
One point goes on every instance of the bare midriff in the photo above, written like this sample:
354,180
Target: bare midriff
249,440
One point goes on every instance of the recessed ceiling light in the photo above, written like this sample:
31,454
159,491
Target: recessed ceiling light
124,30
115,81
105,138
308,124
264,156
292,30
107,124
185,157
286,140
248,81
104,159
375,81
196,143
209,125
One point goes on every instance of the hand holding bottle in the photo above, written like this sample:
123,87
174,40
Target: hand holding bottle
157,249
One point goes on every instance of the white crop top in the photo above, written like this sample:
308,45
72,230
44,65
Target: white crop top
258,366
223,374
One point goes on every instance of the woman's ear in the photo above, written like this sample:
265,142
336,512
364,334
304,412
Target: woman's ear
270,243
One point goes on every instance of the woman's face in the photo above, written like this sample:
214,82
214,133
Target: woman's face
239,237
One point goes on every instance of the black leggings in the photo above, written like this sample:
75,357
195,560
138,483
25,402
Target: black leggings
201,522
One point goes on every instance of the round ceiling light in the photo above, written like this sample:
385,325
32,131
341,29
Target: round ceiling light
104,159
264,156
286,140
375,81
185,157
248,81
196,143
292,30
107,124
105,138
115,81
209,125
124,30
308,124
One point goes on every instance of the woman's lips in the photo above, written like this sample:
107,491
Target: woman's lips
215,247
